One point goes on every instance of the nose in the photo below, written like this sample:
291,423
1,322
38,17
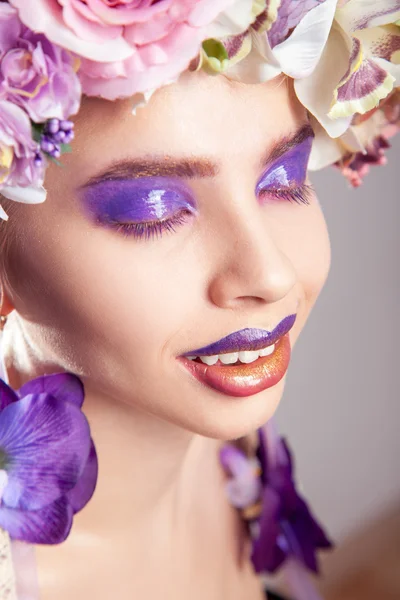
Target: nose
251,267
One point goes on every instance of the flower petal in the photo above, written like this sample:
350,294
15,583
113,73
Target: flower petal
64,386
290,13
325,151
316,91
304,536
3,481
48,525
26,195
267,17
244,488
3,214
235,18
392,69
7,395
382,42
300,53
267,553
80,495
46,16
359,14
361,90
47,443
259,65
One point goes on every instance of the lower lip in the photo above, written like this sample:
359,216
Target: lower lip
244,379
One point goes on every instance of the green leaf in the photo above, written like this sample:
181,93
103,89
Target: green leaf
65,148
54,160
37,131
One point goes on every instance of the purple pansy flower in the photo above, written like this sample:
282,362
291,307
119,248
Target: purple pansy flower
48,463
281,524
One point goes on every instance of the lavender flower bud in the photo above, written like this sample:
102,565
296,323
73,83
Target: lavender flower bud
66,125
59,136
46,145
52,126
69,136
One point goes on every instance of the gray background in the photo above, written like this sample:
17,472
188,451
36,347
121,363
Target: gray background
341,406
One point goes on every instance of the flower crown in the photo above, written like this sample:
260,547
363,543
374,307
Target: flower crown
343,55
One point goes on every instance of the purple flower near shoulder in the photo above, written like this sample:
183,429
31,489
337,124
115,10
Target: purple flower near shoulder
285,528
280,522
48,463
35,74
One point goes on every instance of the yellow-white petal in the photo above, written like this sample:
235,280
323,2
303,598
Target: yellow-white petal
316,91
362,90
359,14
232,21
393,69
259,65
325,150
267,17
381,42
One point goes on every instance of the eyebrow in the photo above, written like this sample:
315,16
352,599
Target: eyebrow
190,168
283,145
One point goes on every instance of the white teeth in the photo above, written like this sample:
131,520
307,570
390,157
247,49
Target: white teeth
209,360
229,358
267,351
248,357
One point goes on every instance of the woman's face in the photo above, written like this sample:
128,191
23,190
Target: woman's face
195,234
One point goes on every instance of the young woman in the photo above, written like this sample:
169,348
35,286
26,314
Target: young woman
169,273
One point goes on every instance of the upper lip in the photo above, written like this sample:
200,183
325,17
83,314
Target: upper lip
249,339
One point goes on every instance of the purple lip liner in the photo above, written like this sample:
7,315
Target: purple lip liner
246,339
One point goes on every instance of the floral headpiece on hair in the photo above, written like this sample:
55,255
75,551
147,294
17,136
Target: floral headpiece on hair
343,55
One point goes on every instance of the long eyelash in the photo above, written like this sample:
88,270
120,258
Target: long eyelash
151,229
301,194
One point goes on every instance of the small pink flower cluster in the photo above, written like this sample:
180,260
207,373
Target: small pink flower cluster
38,82
53,50
125,46
356,165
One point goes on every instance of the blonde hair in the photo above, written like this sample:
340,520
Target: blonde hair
6,236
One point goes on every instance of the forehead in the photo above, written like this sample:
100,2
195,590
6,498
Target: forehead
199,116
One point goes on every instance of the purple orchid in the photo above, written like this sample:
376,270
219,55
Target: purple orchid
281,525
48,463
286,527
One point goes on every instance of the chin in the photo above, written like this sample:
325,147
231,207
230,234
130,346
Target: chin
228,418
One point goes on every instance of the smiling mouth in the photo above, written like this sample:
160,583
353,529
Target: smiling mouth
242,373
234,358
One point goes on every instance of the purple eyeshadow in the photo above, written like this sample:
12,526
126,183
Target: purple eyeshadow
290,170
136,200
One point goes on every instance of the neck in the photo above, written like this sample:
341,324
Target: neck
150,470
160,500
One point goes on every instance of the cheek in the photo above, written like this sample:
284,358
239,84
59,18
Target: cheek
96,296
314,257
307,245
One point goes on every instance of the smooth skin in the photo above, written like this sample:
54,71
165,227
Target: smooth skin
118,311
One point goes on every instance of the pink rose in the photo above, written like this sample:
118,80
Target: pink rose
34,73
127,46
